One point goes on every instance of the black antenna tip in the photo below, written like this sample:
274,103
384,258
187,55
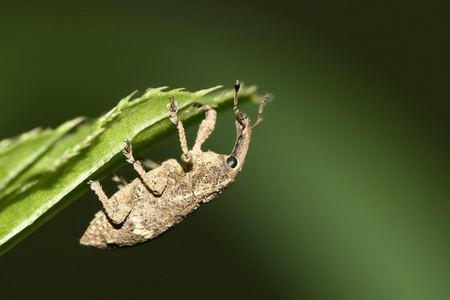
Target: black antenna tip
237,85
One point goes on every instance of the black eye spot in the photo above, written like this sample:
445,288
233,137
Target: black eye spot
232,161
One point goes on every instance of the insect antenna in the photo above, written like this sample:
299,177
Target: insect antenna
261,109
237,86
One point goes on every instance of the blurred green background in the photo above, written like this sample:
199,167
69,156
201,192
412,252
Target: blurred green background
345,192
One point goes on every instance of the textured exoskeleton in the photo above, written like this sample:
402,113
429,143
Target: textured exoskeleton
162,197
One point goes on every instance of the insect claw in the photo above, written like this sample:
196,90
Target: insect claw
173,105
173,109
127,151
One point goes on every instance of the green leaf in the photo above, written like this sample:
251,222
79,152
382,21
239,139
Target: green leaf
42,171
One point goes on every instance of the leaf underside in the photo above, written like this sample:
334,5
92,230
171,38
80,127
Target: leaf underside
42,171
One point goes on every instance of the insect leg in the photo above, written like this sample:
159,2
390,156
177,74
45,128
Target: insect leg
173,109
121,182
116,211
206,127
155,180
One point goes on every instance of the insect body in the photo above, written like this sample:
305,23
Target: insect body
162,197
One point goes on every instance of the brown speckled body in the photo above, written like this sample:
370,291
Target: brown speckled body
162,197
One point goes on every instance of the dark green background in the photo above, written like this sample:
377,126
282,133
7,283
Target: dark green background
345,192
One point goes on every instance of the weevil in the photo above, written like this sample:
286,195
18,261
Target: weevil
161,198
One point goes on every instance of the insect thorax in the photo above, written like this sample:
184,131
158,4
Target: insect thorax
209,174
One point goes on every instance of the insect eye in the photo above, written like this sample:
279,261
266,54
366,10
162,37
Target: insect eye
232,161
